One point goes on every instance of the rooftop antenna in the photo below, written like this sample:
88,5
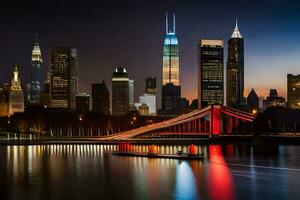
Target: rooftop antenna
174,22
166,22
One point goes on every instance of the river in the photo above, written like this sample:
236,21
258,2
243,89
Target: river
91,172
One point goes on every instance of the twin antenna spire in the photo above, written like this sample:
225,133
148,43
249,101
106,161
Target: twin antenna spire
167,25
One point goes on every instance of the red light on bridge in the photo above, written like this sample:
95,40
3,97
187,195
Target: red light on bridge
125,146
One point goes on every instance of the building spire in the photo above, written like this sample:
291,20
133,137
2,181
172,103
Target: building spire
174,24
167,31
36,43
236,33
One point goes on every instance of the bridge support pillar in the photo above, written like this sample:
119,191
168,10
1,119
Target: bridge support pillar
215,120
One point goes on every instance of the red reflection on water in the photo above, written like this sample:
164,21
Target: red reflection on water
220,179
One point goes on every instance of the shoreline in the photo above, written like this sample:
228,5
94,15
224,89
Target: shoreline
222,139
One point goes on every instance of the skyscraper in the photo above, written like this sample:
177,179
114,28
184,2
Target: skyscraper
171,90
63,77
211,72
100,98
171,99
253,102
16,98
151,85
293,91
35,87
120,92
235,70
170,56
131,95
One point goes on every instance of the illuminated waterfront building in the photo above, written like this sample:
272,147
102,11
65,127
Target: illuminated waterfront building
16,98
63,77
210,73
293,91
235,70
120,92
35,86
100,98
171,90
82,102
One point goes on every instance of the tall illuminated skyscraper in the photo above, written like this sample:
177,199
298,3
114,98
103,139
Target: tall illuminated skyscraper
235,70
35,87
16,98
210,73
171,90
120,92
63,77
170,56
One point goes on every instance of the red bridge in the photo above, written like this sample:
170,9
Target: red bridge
215,119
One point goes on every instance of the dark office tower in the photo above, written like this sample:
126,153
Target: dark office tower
235,70
120,92
293,91
63,77
151,85
210,73
82,102
100,98
35,87
45,94
171,99
253,102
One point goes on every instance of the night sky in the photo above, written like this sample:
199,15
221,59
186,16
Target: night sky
130,34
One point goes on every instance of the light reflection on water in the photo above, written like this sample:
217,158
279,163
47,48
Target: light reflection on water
91,172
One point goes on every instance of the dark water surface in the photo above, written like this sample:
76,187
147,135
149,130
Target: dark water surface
91,172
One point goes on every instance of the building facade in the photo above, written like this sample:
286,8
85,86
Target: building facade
120,92
63,77
82,102
293,91
100,98
253,102
35,86
171,99
151,85
273,100
4,100
131,95
235,70
16,96
210,72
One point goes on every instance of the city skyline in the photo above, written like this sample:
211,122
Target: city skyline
264,52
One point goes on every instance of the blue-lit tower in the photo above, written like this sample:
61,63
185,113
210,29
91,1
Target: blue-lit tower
171,91
170,56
